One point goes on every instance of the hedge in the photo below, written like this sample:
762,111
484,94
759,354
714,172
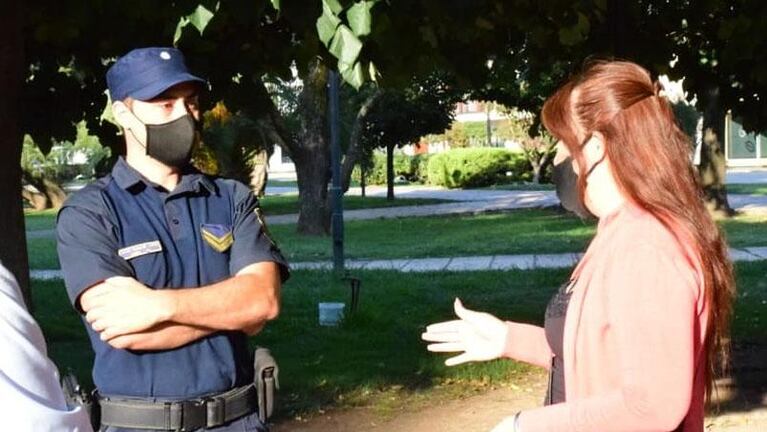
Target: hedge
476,167
412,168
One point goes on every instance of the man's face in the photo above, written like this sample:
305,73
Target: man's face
172,104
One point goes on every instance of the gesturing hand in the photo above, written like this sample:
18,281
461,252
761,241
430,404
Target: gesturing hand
123,305
479,335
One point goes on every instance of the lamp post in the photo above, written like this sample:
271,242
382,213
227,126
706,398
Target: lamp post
336,192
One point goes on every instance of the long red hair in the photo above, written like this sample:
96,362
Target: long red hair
650,159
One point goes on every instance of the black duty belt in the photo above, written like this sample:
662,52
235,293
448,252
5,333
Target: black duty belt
186,415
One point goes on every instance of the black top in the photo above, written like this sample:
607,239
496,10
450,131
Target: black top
554,327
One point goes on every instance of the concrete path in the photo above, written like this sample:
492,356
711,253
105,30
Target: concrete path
489,201
482,203
459,264
746,175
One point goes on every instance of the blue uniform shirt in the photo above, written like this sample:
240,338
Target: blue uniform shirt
204,231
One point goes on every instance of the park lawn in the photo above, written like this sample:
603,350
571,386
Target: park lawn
747,188
273,205
533,231
376,358
40,220
515,232
522,187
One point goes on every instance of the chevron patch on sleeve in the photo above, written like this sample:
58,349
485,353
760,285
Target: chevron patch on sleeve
219,237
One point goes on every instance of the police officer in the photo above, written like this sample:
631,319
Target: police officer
172,269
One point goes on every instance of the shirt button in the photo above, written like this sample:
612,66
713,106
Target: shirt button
175,221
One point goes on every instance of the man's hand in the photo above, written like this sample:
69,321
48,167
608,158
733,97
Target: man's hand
479,335
122,305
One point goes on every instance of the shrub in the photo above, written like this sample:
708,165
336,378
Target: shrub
413,168
475,167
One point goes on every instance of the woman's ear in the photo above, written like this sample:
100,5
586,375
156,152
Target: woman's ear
597,146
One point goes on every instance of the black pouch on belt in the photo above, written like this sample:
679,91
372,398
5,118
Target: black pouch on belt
265,375
76,396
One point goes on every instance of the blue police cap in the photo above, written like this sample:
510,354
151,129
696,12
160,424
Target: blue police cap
144,73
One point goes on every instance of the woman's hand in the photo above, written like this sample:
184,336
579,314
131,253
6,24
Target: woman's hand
479,335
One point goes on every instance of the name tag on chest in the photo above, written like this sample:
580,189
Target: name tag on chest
140,249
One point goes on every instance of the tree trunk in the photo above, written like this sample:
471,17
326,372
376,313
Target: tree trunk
363,173
536,173
314,212
14,254
50,194
308,147
390,173
354,151
713,165
34,199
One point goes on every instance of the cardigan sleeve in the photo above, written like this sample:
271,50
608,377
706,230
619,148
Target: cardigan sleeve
652,310
527,343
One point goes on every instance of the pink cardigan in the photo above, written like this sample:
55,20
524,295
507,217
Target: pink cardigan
633,338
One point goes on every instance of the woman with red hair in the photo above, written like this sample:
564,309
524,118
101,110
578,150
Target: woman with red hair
633,339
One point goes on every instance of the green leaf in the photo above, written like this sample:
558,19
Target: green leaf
345,45
276,4
107,115
373,71
199,19
359,17
326,27
428,35
342,67
483,23
353,76
333,5
570,36
182,22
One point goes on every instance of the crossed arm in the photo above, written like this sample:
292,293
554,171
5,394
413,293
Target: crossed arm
129,315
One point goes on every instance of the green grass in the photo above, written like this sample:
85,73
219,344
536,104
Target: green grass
747,188
745,230
522,187
42,253
288,204
377,354
40,220
517,232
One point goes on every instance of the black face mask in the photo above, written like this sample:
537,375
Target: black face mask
566,182
171,143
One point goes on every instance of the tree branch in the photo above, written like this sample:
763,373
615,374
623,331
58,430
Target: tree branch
354,151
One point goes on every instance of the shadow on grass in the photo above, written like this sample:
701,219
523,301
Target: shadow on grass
746,388
376,355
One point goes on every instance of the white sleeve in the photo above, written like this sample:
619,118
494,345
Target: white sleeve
31,398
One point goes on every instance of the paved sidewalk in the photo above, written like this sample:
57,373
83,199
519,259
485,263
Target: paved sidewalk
509,200
472,201
459,264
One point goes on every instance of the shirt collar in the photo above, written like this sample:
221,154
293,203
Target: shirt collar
192,180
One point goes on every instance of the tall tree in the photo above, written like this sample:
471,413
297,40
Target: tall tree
14,254
402,117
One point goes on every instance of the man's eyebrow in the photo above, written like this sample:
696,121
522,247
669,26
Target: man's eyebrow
166,97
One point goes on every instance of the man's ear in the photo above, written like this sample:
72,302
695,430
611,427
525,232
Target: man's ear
130,124
123,115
